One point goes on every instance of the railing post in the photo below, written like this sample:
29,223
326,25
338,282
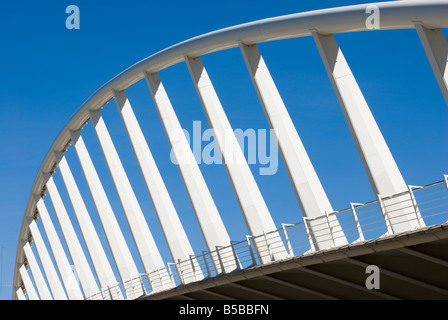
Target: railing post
206,264
267,245
355,216
329,227
130,286
254,261
192,266
308,233
220,260
445,177
170,273
142,284
110,293
385,215
416,209
160,278
180,271
235,256
288,243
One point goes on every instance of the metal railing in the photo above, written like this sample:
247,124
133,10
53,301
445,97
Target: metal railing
418,206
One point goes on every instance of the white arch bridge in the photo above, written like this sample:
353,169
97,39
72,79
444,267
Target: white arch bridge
403,224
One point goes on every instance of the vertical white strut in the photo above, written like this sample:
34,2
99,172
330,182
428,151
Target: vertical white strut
50,272
384,175
32,294
65,270
252,204
39,280
306,184
100,262
436,48
82,268
146,246
19,293
211,225
120,251
175,235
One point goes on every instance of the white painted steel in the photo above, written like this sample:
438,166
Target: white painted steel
39,280
102,267
306,184
422,15
20,294
30,290
51,274
252,204
379,164
120,251
146,246
436,48
174,233
65,269
212,227
81,265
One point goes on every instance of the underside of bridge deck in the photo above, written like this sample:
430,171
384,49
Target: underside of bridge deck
411,265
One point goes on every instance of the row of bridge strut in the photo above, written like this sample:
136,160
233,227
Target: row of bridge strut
379,164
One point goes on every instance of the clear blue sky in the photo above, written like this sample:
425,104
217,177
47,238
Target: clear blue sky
48,71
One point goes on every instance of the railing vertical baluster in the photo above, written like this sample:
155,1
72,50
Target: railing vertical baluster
192,266
416,209
171,274
330,228
385,215
268,246
445,177
308,233
235,256
110,293
206,264
288,243
355,216
142,284
254,261
223,271
180,271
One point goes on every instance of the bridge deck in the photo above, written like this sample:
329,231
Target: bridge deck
412,265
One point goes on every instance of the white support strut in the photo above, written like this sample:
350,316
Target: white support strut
146,246
382,171
54,283
252,204
39,280
210,222
102,267
306,184
120,250
65,270
436,47
30,290
174,233
82,268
